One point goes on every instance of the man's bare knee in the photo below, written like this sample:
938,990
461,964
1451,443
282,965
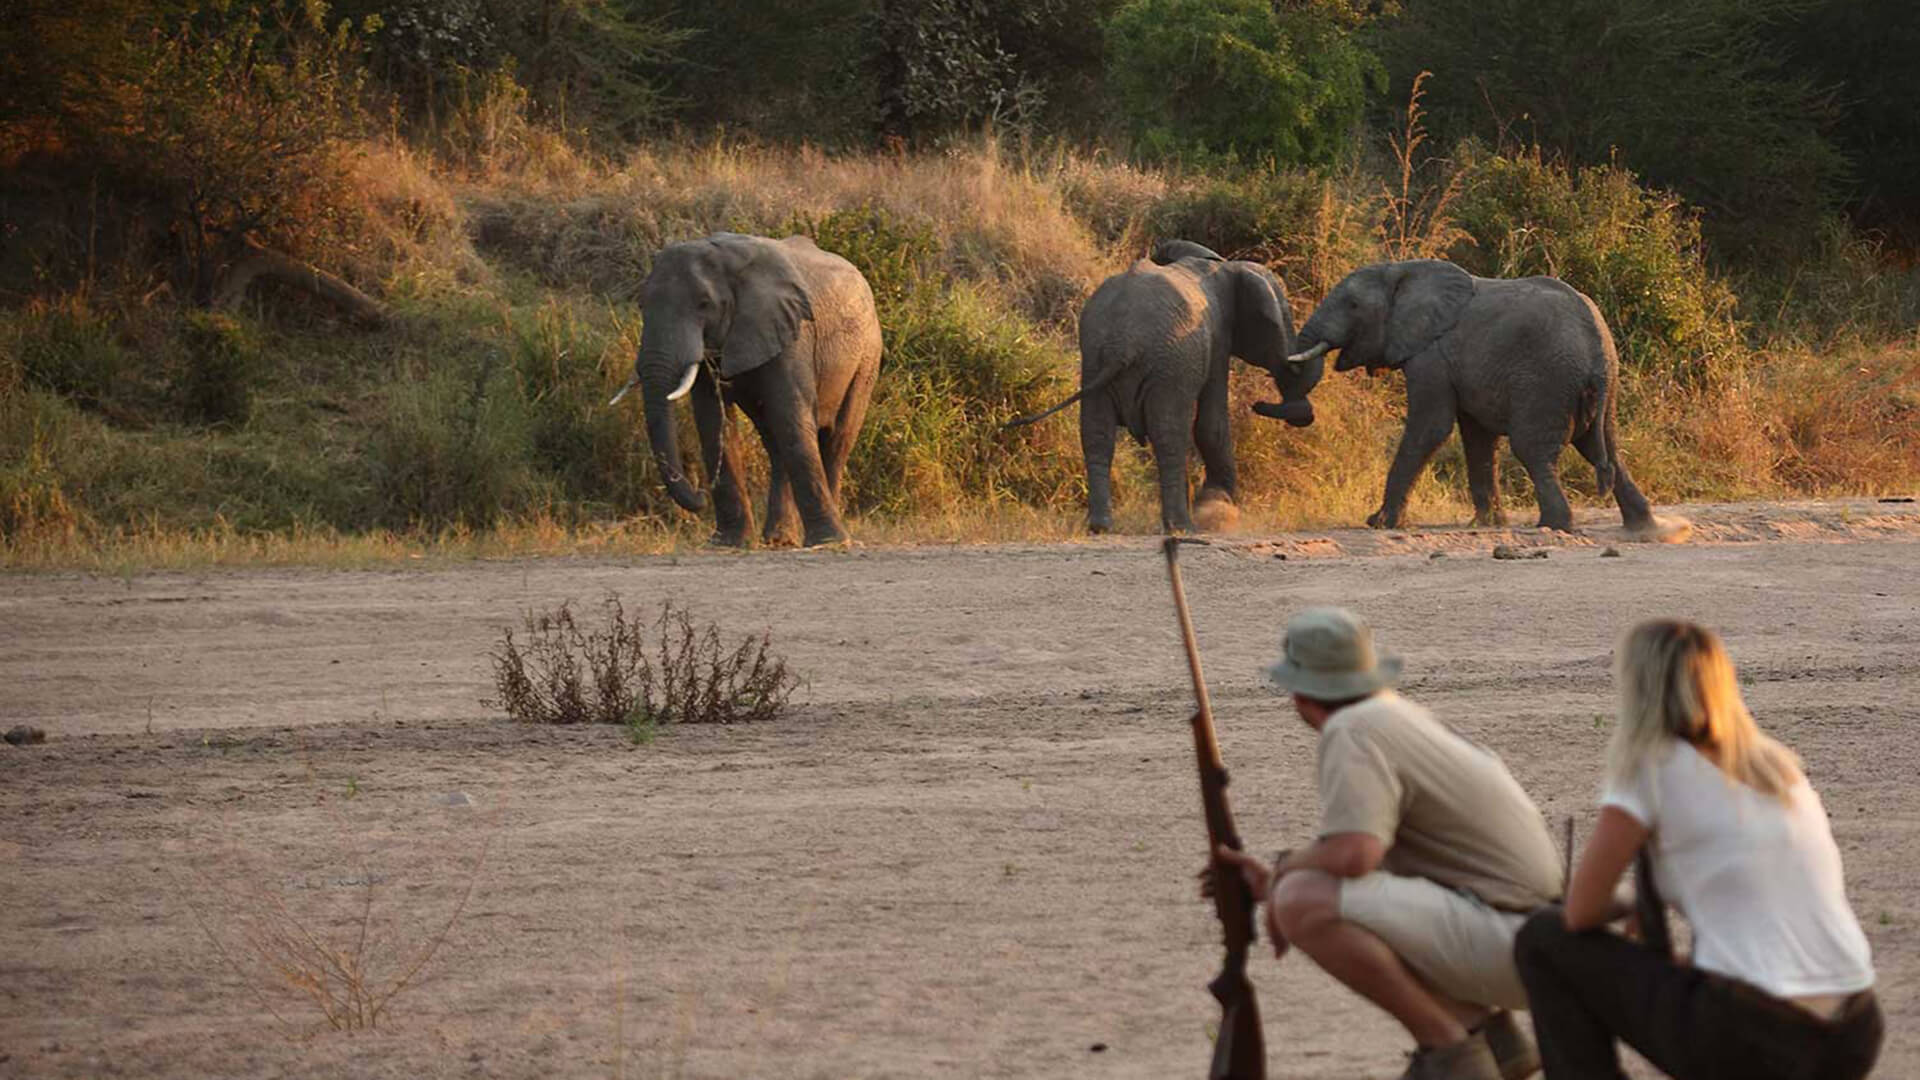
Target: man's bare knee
1306,902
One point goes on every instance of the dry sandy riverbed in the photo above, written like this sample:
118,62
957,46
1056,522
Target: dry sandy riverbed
968,853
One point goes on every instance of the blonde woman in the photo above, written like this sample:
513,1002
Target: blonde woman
1780,980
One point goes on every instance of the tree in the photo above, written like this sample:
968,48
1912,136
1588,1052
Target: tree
1688,95
1246,78
1868,51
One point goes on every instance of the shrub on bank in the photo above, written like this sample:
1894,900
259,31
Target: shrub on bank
1635,251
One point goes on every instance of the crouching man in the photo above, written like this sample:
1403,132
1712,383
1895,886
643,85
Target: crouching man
1428,860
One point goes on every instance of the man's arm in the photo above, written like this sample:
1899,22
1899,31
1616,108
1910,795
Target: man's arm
1343,855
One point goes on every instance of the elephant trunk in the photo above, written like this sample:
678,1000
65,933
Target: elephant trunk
662,371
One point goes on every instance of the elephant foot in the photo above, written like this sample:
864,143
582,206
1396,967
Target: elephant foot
1215,512
1661,530
1559,526
728,538
1494,519
1099,526
1380,519
825,536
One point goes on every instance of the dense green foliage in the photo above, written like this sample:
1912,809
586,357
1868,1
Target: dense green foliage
1242,78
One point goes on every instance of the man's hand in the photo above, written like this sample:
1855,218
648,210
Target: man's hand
1260,879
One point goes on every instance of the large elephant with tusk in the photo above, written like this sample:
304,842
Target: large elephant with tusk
783,331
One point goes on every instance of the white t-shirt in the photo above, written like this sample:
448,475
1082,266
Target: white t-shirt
1759,879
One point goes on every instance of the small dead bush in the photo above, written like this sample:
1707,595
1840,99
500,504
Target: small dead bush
629,670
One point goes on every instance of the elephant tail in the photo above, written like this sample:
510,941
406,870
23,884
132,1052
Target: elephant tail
1600,390
1100,381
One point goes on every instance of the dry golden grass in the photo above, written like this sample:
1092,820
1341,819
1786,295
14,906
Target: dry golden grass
1018,238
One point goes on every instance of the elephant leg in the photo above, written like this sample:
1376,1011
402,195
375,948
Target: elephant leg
791,425
731,517
1538,448
837,447
1430,419
1170,432
1483,480
1098,425
1213,437
1635,512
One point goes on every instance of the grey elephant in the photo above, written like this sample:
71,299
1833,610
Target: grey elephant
780,329
1528,358
1155,344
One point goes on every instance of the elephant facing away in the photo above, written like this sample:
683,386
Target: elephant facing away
1155,345
786,333
1528,358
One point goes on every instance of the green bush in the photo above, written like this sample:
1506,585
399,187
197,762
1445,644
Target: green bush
958,365
452,448
220,367
1244,79
1635,251
76,352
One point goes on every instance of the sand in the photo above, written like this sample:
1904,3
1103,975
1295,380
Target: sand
968,851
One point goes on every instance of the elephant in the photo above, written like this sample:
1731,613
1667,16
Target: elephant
1528,358
780,329
1155,343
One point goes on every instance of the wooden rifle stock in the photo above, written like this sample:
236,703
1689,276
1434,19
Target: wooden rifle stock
1240,1051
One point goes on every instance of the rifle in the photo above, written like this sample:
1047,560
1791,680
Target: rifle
1239,1053
1650,906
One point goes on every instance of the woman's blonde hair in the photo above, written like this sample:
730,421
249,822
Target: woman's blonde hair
1676,682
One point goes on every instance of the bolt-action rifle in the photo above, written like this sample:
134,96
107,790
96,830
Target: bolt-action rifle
1650,908
1240,1051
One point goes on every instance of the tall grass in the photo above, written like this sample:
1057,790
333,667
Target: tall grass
134,430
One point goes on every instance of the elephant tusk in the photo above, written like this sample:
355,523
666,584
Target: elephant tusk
1300,359
631,383
686,383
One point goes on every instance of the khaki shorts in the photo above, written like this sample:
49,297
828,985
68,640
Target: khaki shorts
1452,940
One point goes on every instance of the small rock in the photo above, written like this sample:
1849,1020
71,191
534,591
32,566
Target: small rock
1097,1048
25,734
457,798
1438,555
1507,551
1610,553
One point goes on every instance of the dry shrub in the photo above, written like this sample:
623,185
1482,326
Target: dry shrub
634,672
1416,224
1790,420
998,221
348,971
318,927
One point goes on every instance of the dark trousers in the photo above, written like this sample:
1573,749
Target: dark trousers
1587,989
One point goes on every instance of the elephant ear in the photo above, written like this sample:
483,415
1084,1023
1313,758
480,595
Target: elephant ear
1262,319
1168,252
1428,297
769,302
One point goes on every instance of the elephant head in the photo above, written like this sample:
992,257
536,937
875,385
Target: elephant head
1383,315
739,297
1263,336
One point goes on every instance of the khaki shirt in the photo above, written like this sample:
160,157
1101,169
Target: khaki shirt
1447,809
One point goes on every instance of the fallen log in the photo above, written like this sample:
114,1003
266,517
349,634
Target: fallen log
261,262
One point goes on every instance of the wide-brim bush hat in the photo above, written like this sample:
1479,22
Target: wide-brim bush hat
1327,654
